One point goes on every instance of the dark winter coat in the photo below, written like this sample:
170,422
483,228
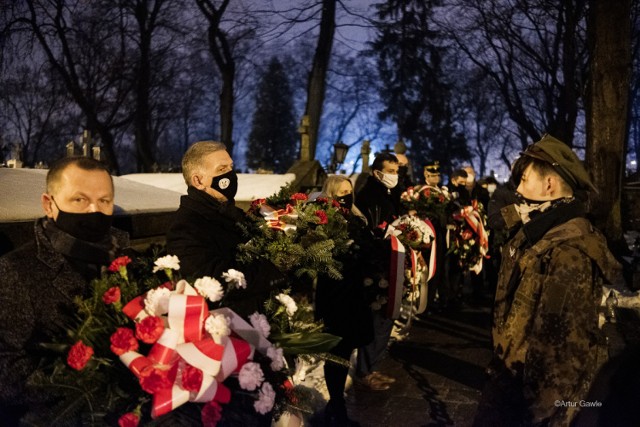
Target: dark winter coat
36,296
377,203
342,304
205,235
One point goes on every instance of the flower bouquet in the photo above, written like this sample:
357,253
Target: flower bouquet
147,346
467,238
427,202
301,237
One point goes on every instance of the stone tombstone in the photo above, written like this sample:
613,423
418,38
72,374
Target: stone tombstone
71,148
303,130
86,143
365,151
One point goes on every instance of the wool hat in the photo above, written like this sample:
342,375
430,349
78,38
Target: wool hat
564,161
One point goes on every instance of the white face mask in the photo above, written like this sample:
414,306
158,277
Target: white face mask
387,179
491,188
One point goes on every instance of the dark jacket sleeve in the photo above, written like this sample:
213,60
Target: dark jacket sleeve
17,322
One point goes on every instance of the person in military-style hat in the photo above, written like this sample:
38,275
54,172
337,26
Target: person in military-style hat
564,162
431,171
545,329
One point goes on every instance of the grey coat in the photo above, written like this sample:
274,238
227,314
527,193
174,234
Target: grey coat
36,300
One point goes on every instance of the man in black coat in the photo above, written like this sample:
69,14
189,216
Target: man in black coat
207,228
72,243
380,205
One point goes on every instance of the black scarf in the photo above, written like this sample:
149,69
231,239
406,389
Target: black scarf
214,207
560,211
85,257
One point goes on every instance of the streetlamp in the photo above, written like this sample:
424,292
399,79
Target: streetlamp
339,154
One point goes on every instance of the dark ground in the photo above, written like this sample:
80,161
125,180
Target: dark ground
439,366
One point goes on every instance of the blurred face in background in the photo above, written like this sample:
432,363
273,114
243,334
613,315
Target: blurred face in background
344,189
431,178
471,177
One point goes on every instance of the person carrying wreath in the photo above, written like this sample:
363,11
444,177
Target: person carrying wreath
341,304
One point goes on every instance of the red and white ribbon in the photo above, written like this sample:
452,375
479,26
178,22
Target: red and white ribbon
471,215
396,278
185,342
273,217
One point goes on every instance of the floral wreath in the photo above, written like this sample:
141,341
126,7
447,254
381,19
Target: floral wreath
174,350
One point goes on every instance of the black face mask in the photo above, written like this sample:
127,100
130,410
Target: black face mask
345,201
91,227
226,184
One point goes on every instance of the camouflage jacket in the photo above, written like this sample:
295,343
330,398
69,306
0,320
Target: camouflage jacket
546,315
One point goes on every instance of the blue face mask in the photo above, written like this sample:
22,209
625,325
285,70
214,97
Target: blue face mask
226,184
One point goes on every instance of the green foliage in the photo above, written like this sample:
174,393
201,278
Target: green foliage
415,87
273,138
311,247
299,333
104,387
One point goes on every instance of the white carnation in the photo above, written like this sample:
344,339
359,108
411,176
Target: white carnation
260,322
277,358
167,262
156,302
209,288
250,376
217,325
266,399
368,281
288,302
236,277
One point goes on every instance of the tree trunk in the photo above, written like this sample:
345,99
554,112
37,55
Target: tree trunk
607,112
222,55
317,77
226,105
142,115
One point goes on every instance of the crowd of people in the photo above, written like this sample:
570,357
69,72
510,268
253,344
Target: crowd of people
552,264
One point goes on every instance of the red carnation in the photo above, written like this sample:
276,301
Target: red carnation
111,295
427,192
191,378
335,203
149,329
79,355
299,196
129,419
154,379
322,216
258,202
322,200
466,234
123,340
118,263
211,413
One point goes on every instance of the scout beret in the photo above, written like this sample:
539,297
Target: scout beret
564,161
432,167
